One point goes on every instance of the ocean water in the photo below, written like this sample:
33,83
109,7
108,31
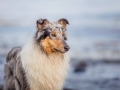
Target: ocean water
95,43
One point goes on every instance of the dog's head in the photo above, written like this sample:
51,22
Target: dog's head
52,36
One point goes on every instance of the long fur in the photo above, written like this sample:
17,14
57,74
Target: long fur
31,68
43,72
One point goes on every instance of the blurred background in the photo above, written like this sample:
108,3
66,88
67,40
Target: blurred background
93,35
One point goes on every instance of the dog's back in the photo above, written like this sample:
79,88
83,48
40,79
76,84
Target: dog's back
11,59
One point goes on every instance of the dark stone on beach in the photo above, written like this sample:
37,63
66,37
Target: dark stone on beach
116,78
80,67
68,89
1,87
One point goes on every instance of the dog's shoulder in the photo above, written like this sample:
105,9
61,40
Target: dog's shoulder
13,53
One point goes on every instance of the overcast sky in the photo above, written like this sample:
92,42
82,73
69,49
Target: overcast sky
26,12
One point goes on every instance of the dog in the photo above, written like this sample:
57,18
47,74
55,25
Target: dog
42,63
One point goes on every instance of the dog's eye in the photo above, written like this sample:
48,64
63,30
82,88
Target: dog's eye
53,35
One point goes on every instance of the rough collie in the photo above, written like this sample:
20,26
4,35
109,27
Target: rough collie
42,62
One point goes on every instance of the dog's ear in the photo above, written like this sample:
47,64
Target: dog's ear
41,23
63,22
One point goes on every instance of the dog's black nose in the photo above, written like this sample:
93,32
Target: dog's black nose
66,48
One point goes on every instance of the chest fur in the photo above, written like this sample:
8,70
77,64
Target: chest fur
44,73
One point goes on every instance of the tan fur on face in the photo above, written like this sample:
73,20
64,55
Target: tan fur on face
50,45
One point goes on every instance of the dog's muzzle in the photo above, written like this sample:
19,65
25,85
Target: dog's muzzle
66,48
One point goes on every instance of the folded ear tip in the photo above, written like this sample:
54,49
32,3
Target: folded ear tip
41,21
36,21
64,19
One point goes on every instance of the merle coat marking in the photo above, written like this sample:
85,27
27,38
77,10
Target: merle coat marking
34,67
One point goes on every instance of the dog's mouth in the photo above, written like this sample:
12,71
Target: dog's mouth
59,50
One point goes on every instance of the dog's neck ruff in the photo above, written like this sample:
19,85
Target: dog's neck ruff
43,72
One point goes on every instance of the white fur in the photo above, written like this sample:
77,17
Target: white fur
43,72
